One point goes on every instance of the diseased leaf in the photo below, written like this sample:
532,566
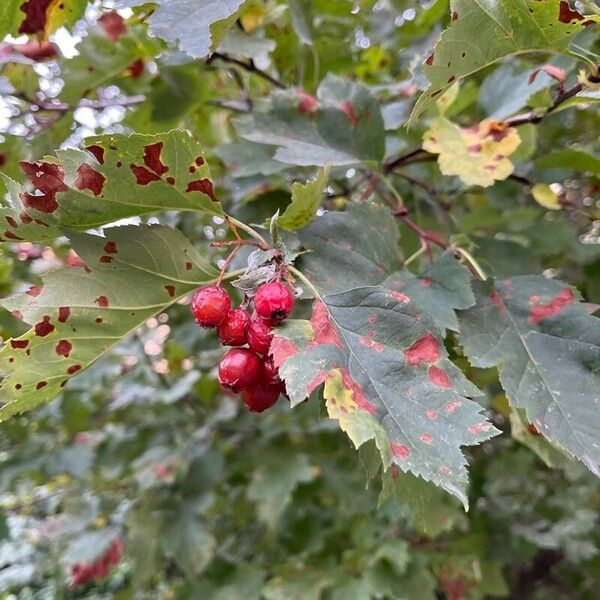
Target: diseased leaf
341,126
360,247
547,349
508,28
306,199
80,313
440,289
102,62
477,155
387,377
187,23
117,176
40,17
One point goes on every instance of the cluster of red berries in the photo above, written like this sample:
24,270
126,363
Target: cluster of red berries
248,371
82,573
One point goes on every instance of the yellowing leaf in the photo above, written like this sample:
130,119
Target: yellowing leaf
252,17
543,194
448,97
477,155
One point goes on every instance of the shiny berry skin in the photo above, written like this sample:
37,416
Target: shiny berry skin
259,335
239,369
210,306
270,373
232,331
274,302
260,397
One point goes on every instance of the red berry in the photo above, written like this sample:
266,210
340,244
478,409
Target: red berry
211,306
259,335
232,331
273,301
260,397
270,373
240,368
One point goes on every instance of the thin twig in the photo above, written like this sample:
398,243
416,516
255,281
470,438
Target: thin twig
247,66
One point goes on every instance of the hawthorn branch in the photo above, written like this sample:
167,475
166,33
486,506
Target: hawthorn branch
419,154
249,66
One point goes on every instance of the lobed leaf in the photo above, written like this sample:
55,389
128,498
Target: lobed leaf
118,176
360,247
387,377
477,154
546,346
187,23
80,313
306,199
341,126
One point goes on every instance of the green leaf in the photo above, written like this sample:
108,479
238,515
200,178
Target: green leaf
187,23
387,377
550,454
297,582
432,511
360,247
11,17
244,159
482,33
274,482
547,349
186,540
341,126
101,62
118,176
143,544
306,199
440,289
79,314
508,90
66,12
570,158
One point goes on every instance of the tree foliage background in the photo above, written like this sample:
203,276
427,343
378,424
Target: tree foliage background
435,171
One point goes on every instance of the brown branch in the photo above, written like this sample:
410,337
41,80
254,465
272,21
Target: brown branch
418,154
247,65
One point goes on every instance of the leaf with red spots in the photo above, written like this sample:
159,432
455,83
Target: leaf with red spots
386,377
478,155
77,315
484,33
118,176
360,247
42,17
344,128
546,346
102,62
